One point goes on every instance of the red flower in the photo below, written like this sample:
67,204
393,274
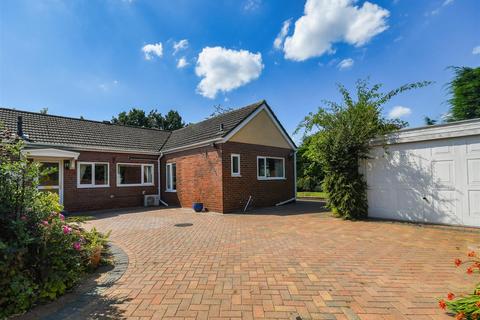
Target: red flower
458,262
469,270
450,296
442,304
471,254
460,316
478,304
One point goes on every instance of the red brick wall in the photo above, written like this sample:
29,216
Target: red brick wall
86,199
264,192
203,175
199,178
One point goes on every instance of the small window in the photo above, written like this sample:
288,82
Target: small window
270,168
171,176
92,175
134,174
235,163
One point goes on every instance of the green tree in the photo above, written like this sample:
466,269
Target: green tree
137,118
341,134
172,121
309,173
465,94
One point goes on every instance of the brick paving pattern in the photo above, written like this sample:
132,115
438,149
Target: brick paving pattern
274,265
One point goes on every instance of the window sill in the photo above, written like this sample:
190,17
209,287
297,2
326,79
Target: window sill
136,185
270,179
92,186
170,190
236,175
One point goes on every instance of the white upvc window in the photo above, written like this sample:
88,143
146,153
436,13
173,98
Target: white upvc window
270,168
171,177
93,174
235,165
134,174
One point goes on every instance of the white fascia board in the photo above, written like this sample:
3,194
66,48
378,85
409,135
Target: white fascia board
436,132
51,153
193,145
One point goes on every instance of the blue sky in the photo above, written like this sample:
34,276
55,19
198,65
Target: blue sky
97,58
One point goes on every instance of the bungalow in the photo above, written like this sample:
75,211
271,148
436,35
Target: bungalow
226,162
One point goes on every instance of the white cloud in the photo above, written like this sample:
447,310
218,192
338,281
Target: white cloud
444,4
224,69
345,64
182,63
252,5
180,45
476,50
278,42
399,112
328,21
151,50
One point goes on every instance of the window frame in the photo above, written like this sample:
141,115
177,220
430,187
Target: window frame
167,177
235,174
93,184
265,164
142,170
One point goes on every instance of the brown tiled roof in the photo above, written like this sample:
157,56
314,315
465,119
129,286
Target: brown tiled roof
210,128
71,132
50,130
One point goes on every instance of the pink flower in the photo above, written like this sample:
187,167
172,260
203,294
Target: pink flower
77,246
45,222
67,230
61,216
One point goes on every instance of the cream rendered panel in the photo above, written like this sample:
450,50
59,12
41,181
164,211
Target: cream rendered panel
261,130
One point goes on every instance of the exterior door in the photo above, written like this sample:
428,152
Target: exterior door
52,182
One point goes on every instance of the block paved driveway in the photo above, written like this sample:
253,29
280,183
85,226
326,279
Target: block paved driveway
283,263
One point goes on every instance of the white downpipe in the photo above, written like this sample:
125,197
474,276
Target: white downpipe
160,181
295,174
248,203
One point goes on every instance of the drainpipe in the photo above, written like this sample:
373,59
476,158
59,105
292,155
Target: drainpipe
160,181
295,174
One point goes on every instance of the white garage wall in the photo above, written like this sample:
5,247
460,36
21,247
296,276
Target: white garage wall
434,181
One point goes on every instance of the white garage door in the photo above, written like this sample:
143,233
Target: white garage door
430,181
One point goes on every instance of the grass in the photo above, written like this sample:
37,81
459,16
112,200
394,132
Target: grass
307,194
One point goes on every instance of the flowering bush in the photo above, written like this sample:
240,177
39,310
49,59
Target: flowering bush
41,255
466,307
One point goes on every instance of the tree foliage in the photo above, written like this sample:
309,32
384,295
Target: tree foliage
309,173
340,138
465,94
154,119
41,255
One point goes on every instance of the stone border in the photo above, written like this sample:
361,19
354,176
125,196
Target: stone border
85,295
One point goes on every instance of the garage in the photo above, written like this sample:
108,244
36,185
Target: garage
428,174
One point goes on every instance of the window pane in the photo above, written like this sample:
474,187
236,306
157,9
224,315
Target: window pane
169,184
174,176
101,174
52,178
235,160
147,174
130,174
261,167
274,168
85,174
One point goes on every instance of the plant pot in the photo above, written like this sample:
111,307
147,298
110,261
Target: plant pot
95,257
197,206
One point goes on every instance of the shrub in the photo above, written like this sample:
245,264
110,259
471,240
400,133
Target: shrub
41,255
465,307
340,138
